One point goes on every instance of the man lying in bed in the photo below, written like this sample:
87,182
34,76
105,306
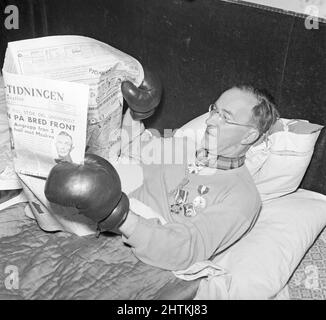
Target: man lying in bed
208,205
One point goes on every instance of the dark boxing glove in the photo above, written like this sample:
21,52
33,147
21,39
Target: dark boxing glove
143,100
94,188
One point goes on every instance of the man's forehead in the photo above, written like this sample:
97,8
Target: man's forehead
235,100
63,137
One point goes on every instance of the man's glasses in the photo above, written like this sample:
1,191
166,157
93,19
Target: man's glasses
213,109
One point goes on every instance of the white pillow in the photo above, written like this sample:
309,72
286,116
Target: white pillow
194,129
197,125
277,165
262,262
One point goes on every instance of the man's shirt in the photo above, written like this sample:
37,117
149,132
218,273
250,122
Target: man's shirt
232,205
232,202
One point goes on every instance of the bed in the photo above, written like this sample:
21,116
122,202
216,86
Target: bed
308,282
61,265
64,266
309,279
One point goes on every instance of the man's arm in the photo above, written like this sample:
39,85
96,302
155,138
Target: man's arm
142,102
128,227
175,246
131,131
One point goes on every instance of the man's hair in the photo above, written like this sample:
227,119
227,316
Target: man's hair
64,133
264,114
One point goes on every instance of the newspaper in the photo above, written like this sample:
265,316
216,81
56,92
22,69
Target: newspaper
63,96
47,121
4,132
9,181
88,61
50,216
50,82
10,186
8,177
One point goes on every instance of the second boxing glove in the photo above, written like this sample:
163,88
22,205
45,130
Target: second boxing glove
143,100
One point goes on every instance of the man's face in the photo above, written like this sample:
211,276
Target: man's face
63,145
221,137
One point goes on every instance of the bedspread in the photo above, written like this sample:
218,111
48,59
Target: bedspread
308,282
61,265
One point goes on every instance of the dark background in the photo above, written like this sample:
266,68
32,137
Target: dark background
198,48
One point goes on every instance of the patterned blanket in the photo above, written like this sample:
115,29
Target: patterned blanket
38,265
308,282
63,266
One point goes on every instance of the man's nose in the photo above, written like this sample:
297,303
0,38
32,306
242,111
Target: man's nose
214,119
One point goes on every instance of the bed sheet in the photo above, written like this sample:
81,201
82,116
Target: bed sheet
64,266
308,282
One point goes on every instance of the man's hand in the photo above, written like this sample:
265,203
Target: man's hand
129,225
143,100
93,188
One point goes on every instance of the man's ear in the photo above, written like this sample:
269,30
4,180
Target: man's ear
251,136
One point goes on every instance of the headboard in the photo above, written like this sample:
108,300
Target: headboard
315,177
199,49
